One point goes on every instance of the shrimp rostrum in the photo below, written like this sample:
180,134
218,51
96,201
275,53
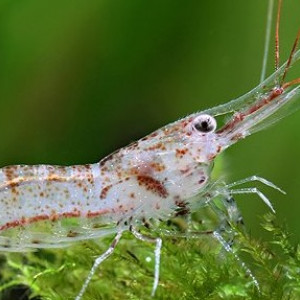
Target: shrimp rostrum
152,178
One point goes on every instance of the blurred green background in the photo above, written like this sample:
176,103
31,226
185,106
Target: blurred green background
79,79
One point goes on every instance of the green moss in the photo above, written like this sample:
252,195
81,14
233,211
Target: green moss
190,269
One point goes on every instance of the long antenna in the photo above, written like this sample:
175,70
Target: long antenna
267,40
290,60
277,36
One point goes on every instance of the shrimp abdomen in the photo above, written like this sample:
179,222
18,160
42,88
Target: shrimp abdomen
50,206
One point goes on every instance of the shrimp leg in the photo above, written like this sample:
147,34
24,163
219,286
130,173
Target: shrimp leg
234,216
158,242
256,178
256,191
253,190
229,216
97,262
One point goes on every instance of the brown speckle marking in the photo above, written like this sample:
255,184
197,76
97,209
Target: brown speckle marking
158,146
145,223
172,129
237,137
108,158
211,156
152,185
158,167
181,152
104,191
12,179
183,209
56,178
133,146
92,214
153,134
185,171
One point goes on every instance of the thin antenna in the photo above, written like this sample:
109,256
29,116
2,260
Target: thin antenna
267,40
290,60
277,36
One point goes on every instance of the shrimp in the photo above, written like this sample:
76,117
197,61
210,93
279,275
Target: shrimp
150,179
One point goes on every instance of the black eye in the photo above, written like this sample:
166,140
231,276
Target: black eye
205,123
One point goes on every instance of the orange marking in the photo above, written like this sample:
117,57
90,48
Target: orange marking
181,152
157,166
152,185
92,214
53,217
105,191
157,146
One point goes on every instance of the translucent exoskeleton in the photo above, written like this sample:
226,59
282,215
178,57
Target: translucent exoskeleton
151,179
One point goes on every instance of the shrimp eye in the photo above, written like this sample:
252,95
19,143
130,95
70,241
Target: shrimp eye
205,123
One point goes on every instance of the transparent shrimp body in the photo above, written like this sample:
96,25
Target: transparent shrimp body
53,206
147,179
